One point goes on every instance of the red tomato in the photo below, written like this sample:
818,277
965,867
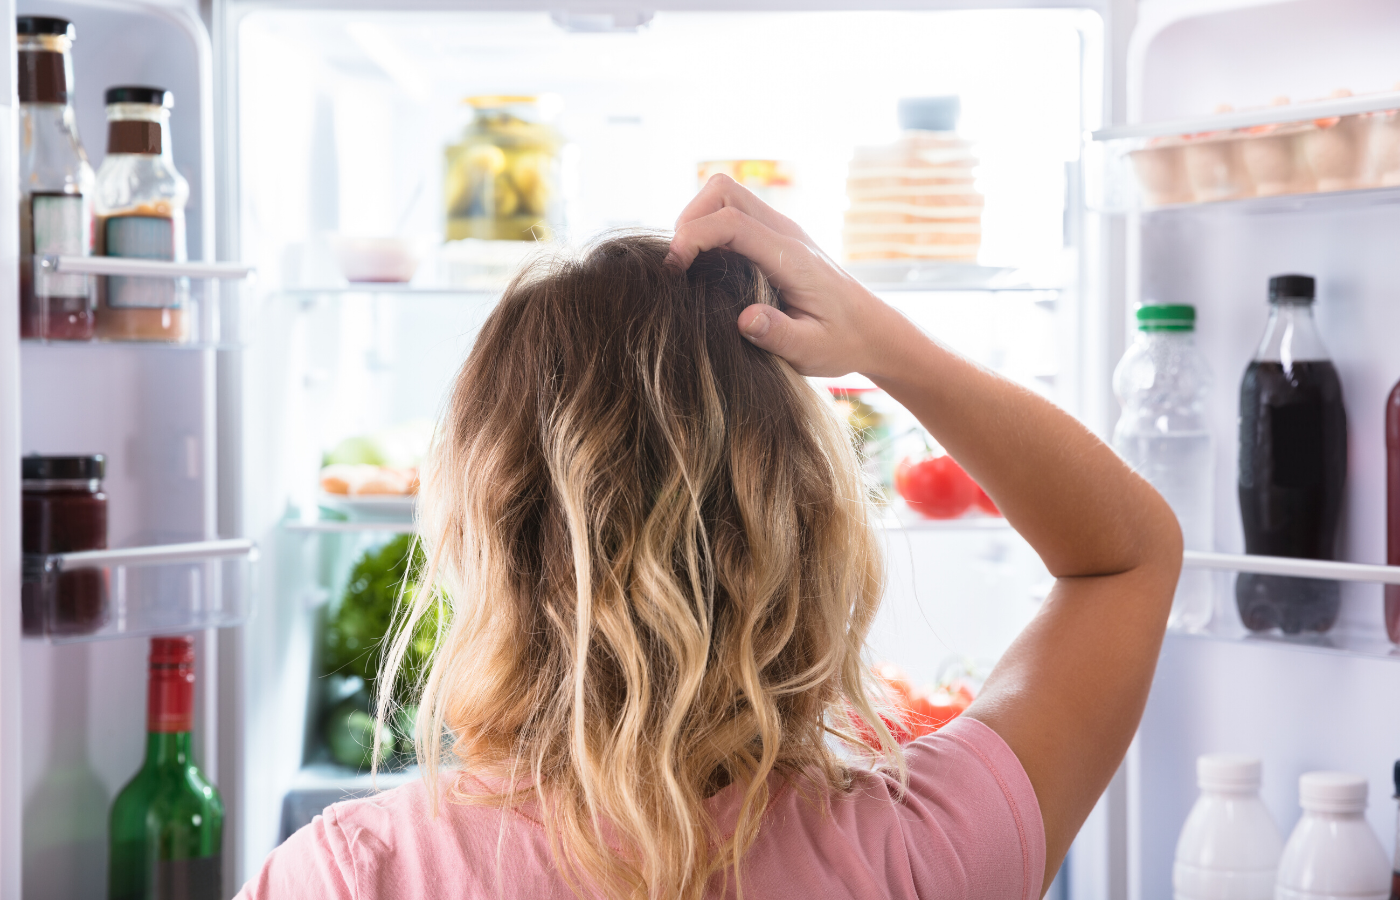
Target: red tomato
984,503
935,487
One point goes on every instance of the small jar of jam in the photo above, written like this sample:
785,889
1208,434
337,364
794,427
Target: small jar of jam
64,510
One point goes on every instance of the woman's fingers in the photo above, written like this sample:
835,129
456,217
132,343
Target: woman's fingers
801,341
722,191
780,258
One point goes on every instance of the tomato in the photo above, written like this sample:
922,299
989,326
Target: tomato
922,710
984,503
936,487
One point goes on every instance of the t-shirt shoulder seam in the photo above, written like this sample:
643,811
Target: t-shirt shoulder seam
1027,854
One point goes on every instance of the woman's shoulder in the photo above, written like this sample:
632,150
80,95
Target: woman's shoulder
395,843
968,825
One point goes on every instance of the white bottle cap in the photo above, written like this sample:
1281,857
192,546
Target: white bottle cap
1332,792
1228,772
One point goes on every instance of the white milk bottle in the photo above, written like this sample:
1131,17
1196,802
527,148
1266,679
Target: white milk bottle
1333,854
1229,847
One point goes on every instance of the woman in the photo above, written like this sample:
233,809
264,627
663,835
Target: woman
658,567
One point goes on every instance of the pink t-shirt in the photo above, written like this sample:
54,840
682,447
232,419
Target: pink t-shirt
968,827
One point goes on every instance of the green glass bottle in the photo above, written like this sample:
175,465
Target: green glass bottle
167,823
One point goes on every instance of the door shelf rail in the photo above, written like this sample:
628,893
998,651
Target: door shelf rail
142,268
1297,568
1358,630
161,589
81,300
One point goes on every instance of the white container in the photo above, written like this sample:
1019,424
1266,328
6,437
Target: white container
1333,854
1229,847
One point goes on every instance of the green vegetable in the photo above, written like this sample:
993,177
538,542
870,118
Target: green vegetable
350,733
356,632
357,450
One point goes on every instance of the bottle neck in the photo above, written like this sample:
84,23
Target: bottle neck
169,714
169,749
1291,336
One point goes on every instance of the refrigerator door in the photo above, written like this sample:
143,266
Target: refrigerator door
1298,703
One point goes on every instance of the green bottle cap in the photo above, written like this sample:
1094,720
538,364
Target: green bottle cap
1166,317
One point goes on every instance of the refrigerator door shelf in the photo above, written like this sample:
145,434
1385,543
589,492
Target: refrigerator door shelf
1269,167
191,287
162,589
1358,630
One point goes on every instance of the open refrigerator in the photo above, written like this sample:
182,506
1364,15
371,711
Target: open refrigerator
304,127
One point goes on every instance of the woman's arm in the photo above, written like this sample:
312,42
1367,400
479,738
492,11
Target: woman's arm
1068,694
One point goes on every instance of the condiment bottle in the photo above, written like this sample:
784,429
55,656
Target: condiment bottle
56,183
1332,852
63,510
140,206
1229,846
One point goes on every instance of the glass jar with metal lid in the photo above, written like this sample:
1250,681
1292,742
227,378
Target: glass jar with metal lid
64,510
502,178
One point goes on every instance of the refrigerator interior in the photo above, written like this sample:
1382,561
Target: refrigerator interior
1305,705
342,120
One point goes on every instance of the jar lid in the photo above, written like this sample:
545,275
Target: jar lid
1166,317
1334,792
930,113
1292,287
137,93
63,468
45,25
1228,772
172,651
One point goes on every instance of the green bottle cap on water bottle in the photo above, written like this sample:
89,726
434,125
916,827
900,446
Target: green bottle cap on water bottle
1166,317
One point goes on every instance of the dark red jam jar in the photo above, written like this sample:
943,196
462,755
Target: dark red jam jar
64,510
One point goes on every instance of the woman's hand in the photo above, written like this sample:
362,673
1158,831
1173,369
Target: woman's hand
831,325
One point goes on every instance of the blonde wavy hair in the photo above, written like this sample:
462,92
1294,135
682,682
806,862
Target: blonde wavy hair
654,556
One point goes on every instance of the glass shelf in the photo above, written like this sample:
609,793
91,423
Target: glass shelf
1350,636
162,589
387,288
928,275
335,526
904,520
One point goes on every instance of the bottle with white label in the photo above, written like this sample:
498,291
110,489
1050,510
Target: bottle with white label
140,207
1333,854
1229,847
56,183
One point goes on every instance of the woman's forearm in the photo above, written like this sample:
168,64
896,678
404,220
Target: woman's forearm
1070,496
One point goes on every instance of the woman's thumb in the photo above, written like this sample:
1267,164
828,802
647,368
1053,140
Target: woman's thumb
763,325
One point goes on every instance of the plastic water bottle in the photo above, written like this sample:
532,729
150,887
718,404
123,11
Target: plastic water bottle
1162,382
1229,847
1333,854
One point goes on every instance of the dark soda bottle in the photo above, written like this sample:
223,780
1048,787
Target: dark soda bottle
1392,509
1292,464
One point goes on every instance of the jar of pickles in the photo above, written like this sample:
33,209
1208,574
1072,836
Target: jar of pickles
502,178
